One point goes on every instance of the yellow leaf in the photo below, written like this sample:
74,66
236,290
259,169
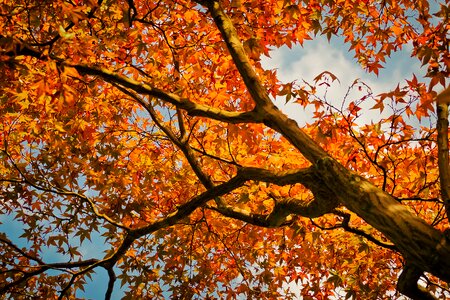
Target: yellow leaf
63,33
59,128
71,72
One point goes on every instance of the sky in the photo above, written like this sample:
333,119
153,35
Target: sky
297,63
319,55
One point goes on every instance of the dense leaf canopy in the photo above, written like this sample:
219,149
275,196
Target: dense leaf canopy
148,128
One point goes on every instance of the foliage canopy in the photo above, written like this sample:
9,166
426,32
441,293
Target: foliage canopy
150,126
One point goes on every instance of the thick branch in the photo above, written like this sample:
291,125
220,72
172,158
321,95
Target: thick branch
323,201
240,58
279,177
273,118
26,276
314,208
280,215
248,216
443,156
346,226
192,108
183,211
423,246
71,265
407,284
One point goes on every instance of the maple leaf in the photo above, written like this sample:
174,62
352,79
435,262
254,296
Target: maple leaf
146,129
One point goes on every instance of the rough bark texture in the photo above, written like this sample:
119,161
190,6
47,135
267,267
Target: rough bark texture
422,246
407,284
443,157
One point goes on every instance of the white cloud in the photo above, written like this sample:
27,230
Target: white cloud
305,63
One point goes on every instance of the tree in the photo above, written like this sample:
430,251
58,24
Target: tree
153,125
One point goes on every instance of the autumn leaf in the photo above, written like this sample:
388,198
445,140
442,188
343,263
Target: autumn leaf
142,138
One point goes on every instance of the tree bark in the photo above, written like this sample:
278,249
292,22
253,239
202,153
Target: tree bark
442,101
424,247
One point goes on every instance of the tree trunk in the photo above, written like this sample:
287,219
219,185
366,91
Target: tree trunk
421,245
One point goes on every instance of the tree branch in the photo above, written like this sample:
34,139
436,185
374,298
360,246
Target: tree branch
62,192
414,238
6,241
27,275
43,268
112,280
407,284
248,217
183,146
316,207
281,213
283,207
183,211
442,142
324,199
267,111
346,226
192,108
322,203
234,45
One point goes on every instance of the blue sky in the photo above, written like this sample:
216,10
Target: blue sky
319,55
96,287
